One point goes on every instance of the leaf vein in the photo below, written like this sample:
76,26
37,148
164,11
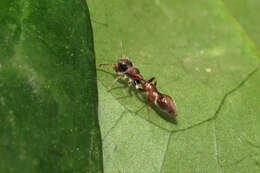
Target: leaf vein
115,124
221,102
165,152
216,147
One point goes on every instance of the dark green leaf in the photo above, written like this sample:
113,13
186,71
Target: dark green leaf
48,92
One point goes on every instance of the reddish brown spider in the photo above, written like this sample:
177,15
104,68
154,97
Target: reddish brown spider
126,70
163,101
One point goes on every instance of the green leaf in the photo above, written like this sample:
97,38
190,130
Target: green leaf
48,89
201,58
246,14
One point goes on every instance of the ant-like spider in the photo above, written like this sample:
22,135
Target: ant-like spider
125,69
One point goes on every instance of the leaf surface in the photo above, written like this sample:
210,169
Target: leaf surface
202,59
246,13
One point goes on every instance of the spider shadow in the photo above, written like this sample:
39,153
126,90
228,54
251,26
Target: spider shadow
164,115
